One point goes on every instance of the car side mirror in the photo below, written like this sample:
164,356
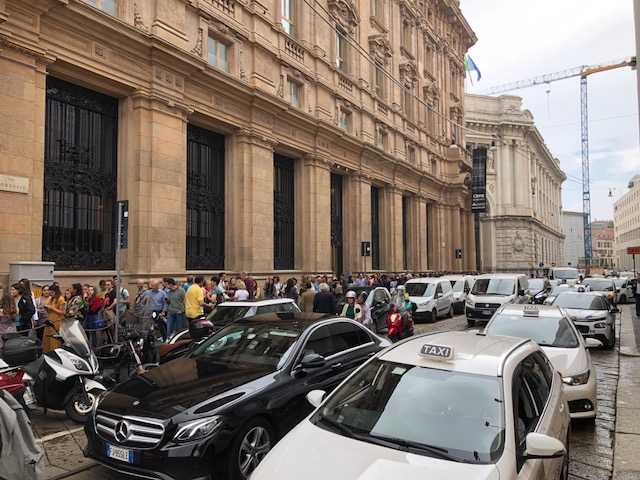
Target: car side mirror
438,295
315,397
540,446
312,360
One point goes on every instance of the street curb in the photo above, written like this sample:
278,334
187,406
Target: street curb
74,471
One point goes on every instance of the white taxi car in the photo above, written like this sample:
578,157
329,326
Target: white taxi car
447,405
550,328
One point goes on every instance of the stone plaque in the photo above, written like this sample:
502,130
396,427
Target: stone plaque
10,183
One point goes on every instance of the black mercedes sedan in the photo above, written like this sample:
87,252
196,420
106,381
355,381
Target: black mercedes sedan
218,411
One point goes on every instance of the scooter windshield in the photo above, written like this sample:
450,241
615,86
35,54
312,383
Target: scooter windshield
74,336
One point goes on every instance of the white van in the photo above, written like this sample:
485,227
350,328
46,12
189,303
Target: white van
568,275
491,291
462,285
432,296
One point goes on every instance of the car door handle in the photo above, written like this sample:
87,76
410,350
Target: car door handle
336,366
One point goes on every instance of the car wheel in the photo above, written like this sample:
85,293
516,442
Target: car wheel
249,447
609,342
450,312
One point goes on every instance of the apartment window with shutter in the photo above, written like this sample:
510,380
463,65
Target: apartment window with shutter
295,93
288,16
381,138
411,155
379,80
345,119
342,50
218,54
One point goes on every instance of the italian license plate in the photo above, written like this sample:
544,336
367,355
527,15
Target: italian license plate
487,312
122,454
27,396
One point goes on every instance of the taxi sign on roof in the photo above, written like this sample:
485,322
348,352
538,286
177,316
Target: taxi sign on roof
531,311
436,352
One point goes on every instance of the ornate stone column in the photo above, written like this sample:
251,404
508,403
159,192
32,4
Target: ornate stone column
249,200
152,166
313,219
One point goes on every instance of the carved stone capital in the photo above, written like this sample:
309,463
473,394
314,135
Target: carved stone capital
345,13
254,137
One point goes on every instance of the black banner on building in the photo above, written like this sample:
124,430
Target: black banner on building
479,180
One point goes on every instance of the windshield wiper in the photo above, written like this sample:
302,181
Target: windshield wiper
346,431
416,446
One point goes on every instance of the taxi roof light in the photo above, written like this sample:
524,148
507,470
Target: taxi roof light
436,352
531,311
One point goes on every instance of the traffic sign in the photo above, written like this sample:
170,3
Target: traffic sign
633,250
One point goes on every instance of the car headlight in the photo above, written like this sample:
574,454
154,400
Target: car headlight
197,429
581,379
470,304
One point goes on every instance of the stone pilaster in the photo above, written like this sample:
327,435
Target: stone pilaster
391,248
313,222
22,116
421,233
152,165
356,221
470,247
457,240
249,211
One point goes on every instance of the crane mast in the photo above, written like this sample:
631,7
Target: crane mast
583,72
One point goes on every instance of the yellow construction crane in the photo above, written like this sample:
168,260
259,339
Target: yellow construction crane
583,72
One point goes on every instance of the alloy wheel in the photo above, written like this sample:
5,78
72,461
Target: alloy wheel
255,445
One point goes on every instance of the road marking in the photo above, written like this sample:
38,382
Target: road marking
53,436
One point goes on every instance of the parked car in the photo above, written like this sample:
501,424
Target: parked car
219,410
550,328
433,298
625,287
491,291
568,275
606,285
592,314
444,406
461,285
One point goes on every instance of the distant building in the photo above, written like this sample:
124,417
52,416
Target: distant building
626,220
573,229
602,237
521,228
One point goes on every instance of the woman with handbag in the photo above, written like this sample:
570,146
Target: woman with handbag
55,313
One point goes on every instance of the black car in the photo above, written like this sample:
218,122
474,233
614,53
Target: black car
219,410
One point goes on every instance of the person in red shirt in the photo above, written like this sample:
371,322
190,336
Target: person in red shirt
394,323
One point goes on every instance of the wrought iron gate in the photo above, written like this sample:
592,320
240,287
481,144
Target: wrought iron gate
375,228
205,199
336,224
283,213
79,177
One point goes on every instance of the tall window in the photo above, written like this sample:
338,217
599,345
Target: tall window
283,213
288,14
381,138
411,154
407,36
428,59
79,208
344,119
375,228
205,199
218,54
377,10
295,93
408,102
379,81
342,50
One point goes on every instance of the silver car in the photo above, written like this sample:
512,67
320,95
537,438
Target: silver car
625,288
592,314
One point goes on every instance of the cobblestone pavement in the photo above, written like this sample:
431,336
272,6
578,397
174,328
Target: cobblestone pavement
591,449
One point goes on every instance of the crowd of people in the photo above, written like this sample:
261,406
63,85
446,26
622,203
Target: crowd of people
96,307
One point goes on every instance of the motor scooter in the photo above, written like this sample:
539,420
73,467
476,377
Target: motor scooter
66,378
12,381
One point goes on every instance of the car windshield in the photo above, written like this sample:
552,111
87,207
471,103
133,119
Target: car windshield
494,286
619,282
424,411
566,274
545,331
458,285
599,284
225,314
579,301
256,344
420,289
536,284
74,336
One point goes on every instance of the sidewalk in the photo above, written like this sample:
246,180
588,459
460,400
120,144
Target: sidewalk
627,437
62,441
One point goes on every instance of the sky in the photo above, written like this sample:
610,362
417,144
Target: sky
520,39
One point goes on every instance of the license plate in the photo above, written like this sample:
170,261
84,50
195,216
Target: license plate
487,312
27,396
122,454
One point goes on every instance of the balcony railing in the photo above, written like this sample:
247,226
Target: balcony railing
345,84
293,49
227,6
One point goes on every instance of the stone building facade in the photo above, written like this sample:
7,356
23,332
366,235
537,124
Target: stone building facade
626,222
573,230
255,135
522,226
602,245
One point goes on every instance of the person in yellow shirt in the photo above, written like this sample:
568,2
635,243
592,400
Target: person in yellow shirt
194,300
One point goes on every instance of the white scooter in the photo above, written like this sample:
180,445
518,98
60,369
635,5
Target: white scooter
64,378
